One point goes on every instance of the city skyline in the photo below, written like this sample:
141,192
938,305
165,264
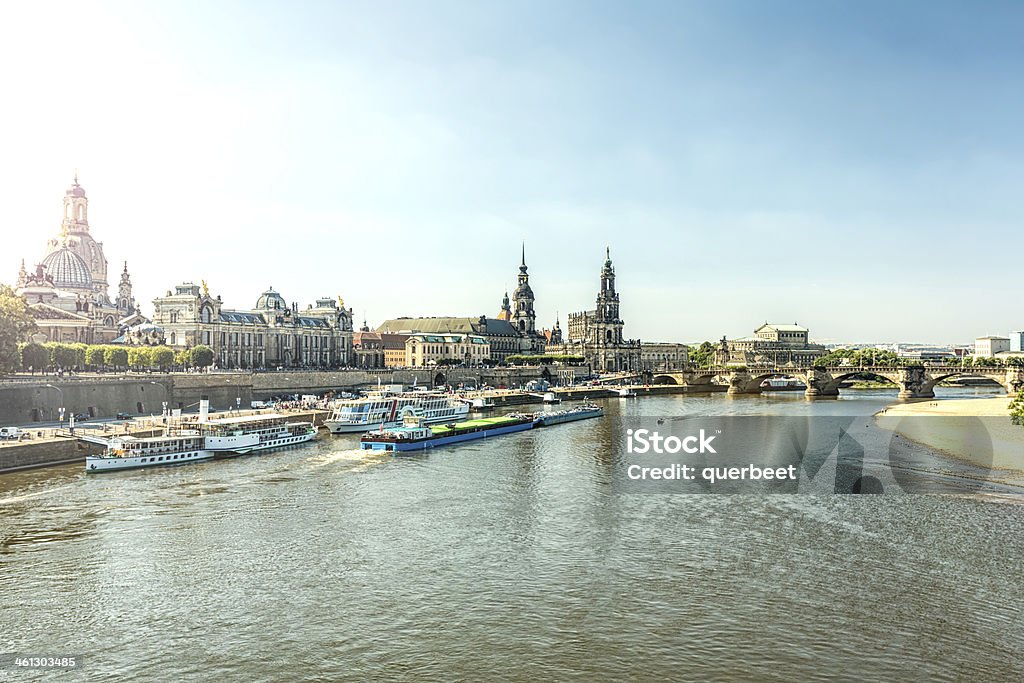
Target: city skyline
830,166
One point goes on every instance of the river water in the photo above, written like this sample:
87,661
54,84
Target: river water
511,559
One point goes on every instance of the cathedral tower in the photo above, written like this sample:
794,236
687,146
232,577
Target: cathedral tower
607,313
523,316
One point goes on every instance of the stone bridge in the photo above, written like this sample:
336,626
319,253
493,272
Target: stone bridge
912,381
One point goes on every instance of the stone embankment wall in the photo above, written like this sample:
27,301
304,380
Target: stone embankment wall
26,454
28,400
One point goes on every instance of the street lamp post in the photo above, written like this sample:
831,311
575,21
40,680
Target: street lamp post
61,392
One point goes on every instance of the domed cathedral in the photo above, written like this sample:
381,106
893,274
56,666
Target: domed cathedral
74,235
67,291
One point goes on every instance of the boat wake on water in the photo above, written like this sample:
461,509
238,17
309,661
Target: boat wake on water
353,455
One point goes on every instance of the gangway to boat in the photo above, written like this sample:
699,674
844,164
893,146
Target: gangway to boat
82,435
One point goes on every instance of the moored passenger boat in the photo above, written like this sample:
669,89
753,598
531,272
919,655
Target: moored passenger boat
202,440
389,411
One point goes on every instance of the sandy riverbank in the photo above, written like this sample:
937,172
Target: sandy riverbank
976,430
977,407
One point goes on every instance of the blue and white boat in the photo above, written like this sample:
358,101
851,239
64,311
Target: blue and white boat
415,436
387,411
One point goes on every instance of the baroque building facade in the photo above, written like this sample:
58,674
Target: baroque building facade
663,356
272,334
597,335
367,348
512,332
430,349
67,291
772,344
503,339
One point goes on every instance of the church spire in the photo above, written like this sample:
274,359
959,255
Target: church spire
523,317
125,299
506,308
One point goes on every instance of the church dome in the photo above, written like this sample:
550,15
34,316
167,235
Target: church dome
523,291
75,189
271,300
67,269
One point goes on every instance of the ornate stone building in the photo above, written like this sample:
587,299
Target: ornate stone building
503,339
270,335
513,331
67,291
597,335
430,349
773,344
663,356
367,348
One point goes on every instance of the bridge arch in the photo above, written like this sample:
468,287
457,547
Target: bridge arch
997,377
754,385
839,378
664,379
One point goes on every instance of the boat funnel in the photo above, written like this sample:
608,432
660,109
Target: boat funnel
204,408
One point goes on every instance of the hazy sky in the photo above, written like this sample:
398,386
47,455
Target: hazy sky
853,166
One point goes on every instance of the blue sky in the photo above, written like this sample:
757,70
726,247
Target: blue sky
852,166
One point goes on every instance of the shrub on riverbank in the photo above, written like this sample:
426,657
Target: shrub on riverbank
1017,409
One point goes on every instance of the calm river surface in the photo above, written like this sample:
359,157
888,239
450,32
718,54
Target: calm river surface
510,559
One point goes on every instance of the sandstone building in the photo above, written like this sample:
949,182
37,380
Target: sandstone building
68,292
597,335
773,344
272,334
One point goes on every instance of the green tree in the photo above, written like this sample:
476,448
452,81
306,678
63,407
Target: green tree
202,356
115,357
1017,409
537,359
859,358
35,356
704,355
183,358
140,357
16,323
95,356
63,356
79,350
162,357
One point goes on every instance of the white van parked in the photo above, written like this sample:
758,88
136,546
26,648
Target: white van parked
10,433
